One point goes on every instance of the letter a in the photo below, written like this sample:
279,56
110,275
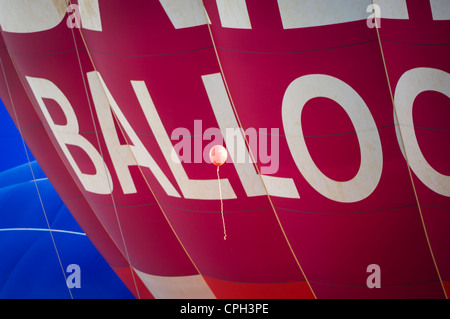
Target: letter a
374,279
74,279
374,20
74,18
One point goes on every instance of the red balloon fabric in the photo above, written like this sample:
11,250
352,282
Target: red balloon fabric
334,115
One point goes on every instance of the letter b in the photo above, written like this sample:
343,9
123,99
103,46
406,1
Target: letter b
69,134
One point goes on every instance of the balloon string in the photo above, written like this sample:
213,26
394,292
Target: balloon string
221,206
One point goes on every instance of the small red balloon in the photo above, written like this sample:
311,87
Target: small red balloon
218,155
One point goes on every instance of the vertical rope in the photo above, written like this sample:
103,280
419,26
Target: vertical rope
127,256
406,157
253,158
221,206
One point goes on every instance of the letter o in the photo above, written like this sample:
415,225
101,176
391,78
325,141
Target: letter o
300,91
409,86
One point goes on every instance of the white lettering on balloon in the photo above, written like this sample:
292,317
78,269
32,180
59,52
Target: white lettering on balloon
307,87
409,86
69,134
24,16
297,94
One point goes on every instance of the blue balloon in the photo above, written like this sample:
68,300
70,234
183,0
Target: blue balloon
44,252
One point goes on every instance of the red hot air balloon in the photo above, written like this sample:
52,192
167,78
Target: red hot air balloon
358,118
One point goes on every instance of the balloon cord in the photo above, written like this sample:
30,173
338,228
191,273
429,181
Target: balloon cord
221,206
